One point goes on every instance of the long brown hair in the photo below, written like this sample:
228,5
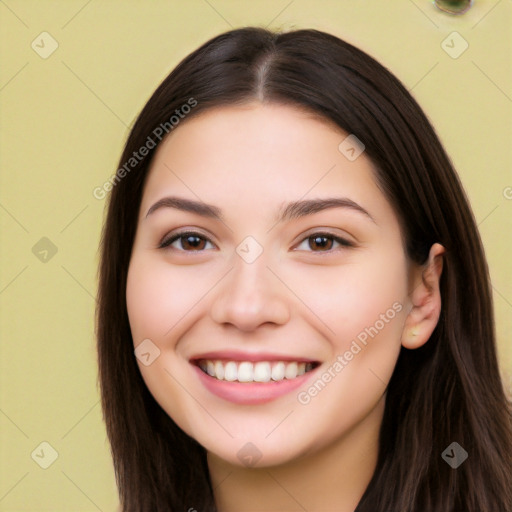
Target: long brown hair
447,391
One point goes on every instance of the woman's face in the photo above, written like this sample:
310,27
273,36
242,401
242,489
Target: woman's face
272,330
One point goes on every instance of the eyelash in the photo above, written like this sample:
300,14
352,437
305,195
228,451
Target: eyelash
166,243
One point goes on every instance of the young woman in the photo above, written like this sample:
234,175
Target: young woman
294,308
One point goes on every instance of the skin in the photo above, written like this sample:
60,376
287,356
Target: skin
296,298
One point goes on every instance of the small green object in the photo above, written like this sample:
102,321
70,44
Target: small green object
454,6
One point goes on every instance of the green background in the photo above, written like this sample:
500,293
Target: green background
64,119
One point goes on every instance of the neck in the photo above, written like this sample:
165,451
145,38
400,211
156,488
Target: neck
333,478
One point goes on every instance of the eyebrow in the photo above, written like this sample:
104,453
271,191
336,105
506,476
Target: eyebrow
287,212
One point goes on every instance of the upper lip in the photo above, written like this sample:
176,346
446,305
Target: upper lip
237,355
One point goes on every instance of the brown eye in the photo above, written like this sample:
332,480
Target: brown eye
189,242
323,242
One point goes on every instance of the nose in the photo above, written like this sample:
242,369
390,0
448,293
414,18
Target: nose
250,295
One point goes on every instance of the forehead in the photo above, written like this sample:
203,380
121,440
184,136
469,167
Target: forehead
261,155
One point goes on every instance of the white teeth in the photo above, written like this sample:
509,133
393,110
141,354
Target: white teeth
219,370
291,371
247,371
262,372
231,371
210,368
278,371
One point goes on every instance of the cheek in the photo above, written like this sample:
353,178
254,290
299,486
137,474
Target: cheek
157,298
352,298
376,299
145,295
364,308
156,301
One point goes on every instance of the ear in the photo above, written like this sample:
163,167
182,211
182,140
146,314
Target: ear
425,298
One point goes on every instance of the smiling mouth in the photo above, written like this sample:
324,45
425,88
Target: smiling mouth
248,371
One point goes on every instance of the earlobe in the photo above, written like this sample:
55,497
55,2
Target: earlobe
425,299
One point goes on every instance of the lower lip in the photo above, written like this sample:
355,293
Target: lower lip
250,393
